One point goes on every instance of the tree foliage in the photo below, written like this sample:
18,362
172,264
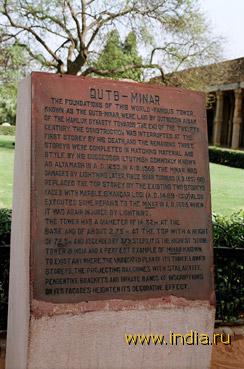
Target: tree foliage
12,66
116,55
67,35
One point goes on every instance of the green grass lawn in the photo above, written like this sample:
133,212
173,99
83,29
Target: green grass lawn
227,183
6,170
227,189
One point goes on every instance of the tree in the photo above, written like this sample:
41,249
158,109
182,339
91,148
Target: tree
13,62
65,35
116,55
131,57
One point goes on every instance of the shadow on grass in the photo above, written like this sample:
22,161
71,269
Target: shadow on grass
7,144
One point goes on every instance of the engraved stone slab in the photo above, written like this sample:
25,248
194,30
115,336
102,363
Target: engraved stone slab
120,193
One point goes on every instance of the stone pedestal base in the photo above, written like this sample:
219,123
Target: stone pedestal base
96,339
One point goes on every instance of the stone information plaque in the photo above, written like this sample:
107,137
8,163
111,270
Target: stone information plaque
120,193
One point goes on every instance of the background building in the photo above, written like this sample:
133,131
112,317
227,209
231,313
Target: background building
224,84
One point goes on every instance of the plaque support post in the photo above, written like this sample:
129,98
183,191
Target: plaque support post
19,286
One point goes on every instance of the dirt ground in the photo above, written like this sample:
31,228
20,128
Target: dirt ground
229,356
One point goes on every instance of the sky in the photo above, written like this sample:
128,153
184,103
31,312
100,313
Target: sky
227,19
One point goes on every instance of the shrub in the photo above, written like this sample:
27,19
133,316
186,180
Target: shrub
229,277
5,226
7,131
5,230
229,231
4,281
231,158
228,237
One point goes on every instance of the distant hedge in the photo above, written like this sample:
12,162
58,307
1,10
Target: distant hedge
7,131
232,158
